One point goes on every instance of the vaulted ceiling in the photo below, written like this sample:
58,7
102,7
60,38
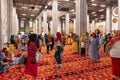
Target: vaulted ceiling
30,9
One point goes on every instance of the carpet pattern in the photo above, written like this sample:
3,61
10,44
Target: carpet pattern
74,67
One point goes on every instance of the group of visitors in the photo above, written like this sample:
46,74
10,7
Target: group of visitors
86,44
31,65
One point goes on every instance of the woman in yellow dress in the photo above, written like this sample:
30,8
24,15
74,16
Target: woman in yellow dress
68,40
83,43
11,48
75,43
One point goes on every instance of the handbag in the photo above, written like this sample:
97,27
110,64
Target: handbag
38,56
33,61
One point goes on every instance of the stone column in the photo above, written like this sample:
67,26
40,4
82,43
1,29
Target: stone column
88,29
108,27
0,27
118,14
93,26
51,27
40,25
81,16
55,16
36,26
63,28
59,26
17,24
10,17
67,23
104,27
45,24
74,22
14,27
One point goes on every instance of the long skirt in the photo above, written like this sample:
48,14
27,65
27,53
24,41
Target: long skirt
31,69
75,47
11,50
116,66
83,51
68,41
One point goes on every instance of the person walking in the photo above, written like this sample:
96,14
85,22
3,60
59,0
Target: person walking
58,49
94,47
31,64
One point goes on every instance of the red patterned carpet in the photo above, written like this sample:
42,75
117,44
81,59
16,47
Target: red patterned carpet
74,67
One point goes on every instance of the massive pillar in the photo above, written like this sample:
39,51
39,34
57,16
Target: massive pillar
59,26
45,24
55,16
88,28
119,14
81,16
40,25
74,22
104,27
67,23
14,21
108,19
36,26
4,22
0,27
51,27
63,26
10,16
93,26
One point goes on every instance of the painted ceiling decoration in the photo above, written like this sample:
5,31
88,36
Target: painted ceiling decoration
30,9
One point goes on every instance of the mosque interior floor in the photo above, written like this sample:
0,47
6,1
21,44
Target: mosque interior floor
74,67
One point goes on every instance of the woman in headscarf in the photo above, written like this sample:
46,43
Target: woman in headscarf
114,46
75,43
31,65
94,47
68,40
83,43
87,43
11,48
58,49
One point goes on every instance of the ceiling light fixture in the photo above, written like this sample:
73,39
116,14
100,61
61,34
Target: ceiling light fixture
101,10
93,12
102,5
23,18
49,3
24,7
92,0
72,10
94,4
45,7
24,14
102,15
32,15
94,15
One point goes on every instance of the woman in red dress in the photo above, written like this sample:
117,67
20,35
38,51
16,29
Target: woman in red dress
31,65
